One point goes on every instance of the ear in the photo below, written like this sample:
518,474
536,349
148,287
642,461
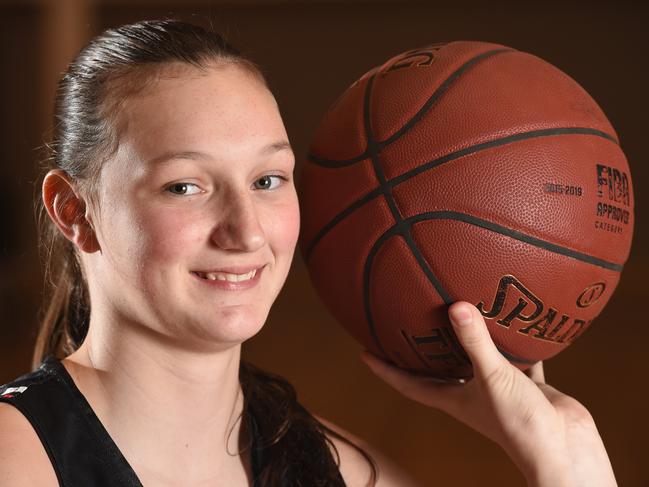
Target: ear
68,211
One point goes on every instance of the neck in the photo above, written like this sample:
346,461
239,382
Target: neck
172,412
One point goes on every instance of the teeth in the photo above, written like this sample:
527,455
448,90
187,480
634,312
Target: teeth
225,276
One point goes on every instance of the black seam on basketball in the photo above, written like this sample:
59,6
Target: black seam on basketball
426,268
441,89
508,232
367,271
400,226
447,158
335,164
339,217
374,150
533,134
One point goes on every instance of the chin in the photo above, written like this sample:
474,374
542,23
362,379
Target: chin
234,326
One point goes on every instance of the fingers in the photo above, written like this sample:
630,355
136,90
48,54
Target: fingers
536,373
431,391
472,332
383,368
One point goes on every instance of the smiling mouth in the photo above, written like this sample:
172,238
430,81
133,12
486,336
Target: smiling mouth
226,276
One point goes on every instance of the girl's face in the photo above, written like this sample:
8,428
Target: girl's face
198,215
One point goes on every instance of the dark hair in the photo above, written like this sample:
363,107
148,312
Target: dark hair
114,65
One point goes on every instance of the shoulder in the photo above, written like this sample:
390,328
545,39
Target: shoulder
23,460
355,468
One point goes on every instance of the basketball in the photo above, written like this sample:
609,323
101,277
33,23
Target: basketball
465,171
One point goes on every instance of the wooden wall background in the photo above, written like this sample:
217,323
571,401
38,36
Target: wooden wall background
311,51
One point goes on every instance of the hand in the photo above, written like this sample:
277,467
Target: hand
550,436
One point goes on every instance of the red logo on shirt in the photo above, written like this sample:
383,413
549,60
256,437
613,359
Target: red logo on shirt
11,391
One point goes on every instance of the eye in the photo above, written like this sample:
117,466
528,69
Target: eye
268,182
183,189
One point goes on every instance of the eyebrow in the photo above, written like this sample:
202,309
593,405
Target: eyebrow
282,145
269,149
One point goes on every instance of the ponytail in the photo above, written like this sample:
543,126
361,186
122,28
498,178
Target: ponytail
65,316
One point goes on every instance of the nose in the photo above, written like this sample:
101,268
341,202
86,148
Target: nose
240,227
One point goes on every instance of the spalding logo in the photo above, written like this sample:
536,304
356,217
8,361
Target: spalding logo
529,309
591,294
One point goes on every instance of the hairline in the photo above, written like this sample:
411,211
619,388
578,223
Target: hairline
131,81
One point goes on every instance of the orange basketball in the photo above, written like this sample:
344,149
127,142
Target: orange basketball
465,171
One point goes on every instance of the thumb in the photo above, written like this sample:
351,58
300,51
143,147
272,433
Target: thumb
472,332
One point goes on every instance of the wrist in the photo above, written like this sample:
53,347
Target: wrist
579,463
549,464
550,474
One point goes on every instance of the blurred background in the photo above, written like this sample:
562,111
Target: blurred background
311,51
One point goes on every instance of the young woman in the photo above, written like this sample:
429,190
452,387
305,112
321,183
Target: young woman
170,219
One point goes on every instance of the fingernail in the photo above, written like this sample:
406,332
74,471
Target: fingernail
462,316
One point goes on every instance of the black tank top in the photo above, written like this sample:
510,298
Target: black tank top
79,447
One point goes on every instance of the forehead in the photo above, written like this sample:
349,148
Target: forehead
222,109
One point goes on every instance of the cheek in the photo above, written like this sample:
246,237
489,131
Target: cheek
285,227
143,239
159,235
